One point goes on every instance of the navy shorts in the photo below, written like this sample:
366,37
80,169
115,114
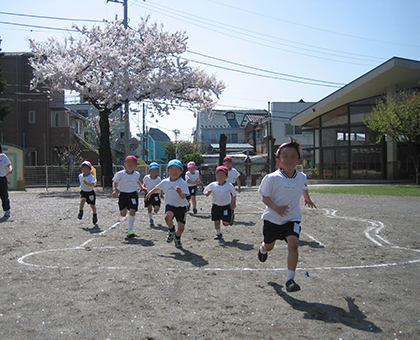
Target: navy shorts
154,200
223,213
272,231
89,196
193,191
129,200
179,213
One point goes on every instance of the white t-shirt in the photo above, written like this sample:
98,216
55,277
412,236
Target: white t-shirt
4,162
283,190
192,177
150,182
127,182
89,178
171,196
233,174
220,194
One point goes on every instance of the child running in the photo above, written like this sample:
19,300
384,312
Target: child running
223,199
233,178
192,177
149,182
176,191
87,194
128,183
281,192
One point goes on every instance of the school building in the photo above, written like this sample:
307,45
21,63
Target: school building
343,147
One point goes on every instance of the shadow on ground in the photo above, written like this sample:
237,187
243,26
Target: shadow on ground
236,244
354,318
187,256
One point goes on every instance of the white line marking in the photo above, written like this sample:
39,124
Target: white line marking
314,239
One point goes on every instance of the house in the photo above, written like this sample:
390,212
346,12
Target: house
38,121
343,146
155,140
231,123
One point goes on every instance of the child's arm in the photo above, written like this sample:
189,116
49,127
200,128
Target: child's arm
308,200
180,193
150,193
233,202
114,189
281,210
208,193
141,187
199,182
238,181
10,167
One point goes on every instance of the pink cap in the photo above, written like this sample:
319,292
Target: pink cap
227,159
222,168
87,163
191,165
131,157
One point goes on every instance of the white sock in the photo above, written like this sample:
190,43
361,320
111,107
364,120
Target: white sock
290,275
218,231
130,222
150,215
262,251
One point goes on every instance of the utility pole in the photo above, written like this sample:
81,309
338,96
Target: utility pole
126,103
143,136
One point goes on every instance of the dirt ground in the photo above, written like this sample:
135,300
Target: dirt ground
62,278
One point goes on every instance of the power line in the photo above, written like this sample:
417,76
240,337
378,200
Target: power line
308,26
37,26
200,20
51,18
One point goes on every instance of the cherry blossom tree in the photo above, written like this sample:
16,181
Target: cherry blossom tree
109,64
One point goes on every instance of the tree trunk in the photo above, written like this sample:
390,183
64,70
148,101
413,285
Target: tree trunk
105,156
222,148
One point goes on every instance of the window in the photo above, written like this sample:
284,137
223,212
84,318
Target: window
31,117
122,134
265,129
259,136
234,138
250,136
31,158
83,113
298,130
289,129
55,119
230,115
213,138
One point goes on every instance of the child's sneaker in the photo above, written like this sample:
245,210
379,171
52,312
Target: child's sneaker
262,257
171,235
189,206
218,237
95,218
195,210
152,223
178,243
130,234
80,214
292,286
7,213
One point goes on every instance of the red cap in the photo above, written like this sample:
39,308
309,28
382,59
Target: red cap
222,168
227,159
131,158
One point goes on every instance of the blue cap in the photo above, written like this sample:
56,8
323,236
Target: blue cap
153,165
175,162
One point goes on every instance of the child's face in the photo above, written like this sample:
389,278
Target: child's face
130,165
221,177
288,159
154,172
85,170
191,170
228,165
174,171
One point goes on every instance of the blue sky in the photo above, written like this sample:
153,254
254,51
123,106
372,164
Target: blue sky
333,41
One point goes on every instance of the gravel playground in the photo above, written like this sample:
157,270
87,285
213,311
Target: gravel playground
62,278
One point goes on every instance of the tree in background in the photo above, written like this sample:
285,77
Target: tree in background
183,147
110,65
398,117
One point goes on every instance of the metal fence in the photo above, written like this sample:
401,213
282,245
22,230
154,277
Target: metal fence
63,176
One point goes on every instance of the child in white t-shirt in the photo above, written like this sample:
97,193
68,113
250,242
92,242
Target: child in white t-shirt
176,191
192,177
128,183
281,192
149,182
5,169
87,194
223,198
233,178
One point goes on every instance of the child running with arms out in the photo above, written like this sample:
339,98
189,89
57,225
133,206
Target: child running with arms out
149,182
87,194
128,183
192,177
281,192
176,191
223,199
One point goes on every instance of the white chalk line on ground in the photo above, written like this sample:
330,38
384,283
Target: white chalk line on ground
375,226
